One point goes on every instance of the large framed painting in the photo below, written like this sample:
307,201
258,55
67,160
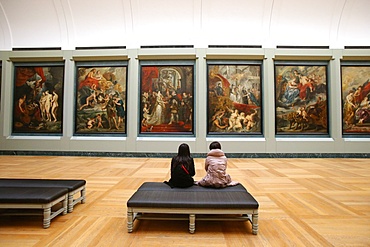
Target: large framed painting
234,104
355,78
101,93
301,98
166,98
38,98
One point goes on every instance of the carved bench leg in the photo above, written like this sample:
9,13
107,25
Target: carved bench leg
47,214
191,223
83,195
130,221
70,203
65,206
255,223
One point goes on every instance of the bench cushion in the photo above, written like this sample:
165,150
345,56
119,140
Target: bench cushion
30,194
157,186
70,184
160,195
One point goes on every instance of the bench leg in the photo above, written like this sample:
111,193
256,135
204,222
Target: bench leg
65,206
47,214
70,203
255,223
130,220
83,195
191,223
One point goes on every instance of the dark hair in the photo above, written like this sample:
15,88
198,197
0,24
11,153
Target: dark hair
214,145
183,155
184,150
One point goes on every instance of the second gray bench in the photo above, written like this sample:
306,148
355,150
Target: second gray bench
73,186
35,198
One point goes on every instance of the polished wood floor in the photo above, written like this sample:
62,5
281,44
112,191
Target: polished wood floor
303,202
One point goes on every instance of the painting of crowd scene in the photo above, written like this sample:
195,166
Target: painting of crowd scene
301,99
167,99
234,99
101,100
38,99
356,99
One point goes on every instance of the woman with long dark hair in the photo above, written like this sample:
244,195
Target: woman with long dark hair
182,168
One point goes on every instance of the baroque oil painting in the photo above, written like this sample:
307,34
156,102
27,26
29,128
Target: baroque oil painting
101,99
301,99
38,99
356,99
234,99
167,99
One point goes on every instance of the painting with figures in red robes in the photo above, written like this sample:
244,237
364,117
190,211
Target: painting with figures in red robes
38,98
301,99
234,98
166,104
355,98
100,98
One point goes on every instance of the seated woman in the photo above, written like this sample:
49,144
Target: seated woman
215,165
182,168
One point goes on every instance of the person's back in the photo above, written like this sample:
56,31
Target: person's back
182,168
180,177
216,161
215,165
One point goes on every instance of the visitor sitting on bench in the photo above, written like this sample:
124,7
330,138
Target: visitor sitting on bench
182,168
215,165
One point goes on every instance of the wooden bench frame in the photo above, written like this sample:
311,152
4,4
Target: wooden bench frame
49,183
157,201
48,213
134,213
82,198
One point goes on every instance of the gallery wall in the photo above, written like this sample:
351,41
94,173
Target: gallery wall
133,142
133,31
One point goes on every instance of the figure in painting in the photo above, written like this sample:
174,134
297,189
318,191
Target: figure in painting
156,117
218,121
54,105
219,90
120,109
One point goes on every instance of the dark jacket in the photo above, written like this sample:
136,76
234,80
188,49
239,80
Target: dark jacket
182,174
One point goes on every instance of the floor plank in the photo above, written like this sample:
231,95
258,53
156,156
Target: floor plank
303,202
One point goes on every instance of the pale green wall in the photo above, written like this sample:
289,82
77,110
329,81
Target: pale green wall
199,144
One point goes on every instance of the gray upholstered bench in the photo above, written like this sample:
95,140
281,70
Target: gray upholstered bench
35,198
74,186
154,199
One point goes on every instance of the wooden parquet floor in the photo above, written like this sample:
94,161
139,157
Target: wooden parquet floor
303,202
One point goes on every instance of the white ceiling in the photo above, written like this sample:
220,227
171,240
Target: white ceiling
134,23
